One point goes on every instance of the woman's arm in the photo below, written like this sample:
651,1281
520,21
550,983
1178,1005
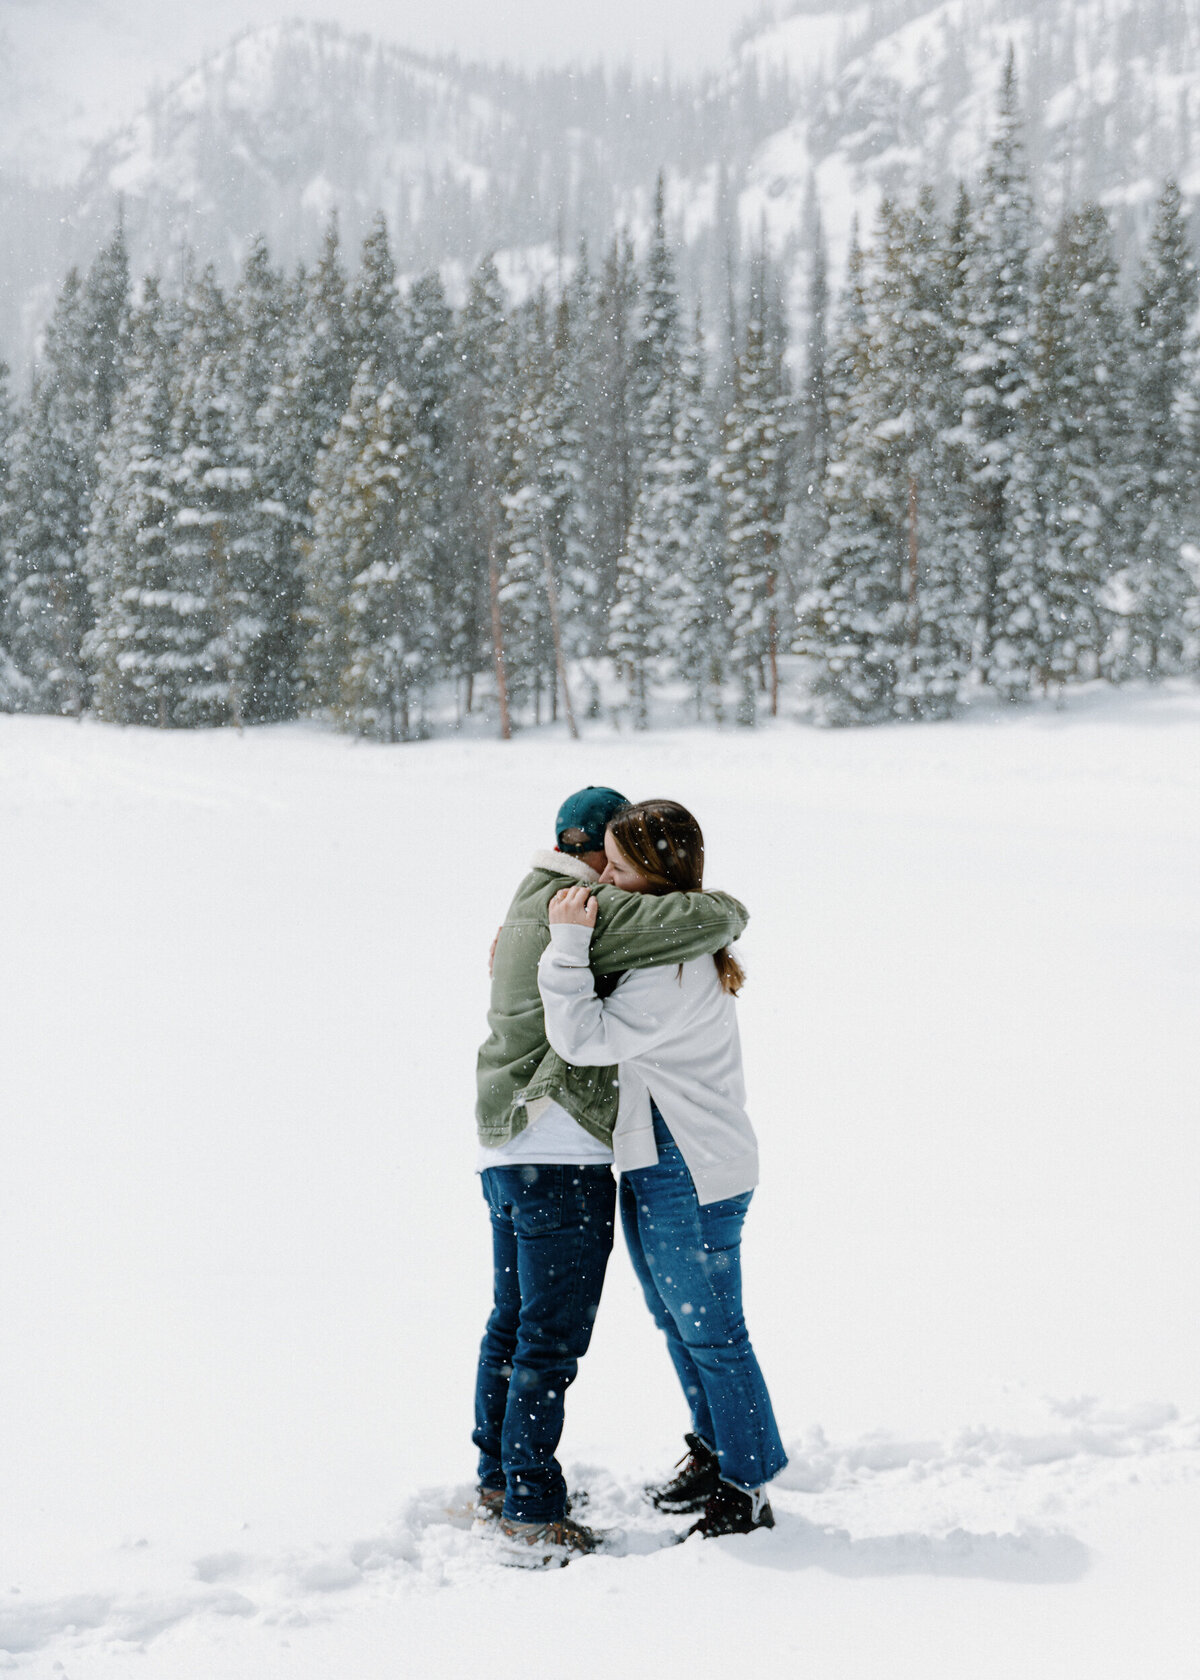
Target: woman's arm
588,1031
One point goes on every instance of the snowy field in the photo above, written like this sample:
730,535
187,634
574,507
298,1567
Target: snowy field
244,1258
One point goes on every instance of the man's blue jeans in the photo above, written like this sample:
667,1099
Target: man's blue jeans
552,1233
688,1262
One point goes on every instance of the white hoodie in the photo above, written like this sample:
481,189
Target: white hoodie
673,1033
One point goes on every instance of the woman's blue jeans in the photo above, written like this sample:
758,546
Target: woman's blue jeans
552,1233
688,1262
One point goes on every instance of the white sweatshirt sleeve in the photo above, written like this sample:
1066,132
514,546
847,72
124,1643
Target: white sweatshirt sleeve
586,1031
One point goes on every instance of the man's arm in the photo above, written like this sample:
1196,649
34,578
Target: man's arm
640,930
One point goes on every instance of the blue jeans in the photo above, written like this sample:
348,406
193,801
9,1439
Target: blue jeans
552,1234
688,1262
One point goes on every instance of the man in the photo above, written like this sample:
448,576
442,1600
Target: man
545,1135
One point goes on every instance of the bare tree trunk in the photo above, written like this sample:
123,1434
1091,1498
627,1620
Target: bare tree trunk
560,663
770,549
913,559
221,578
773,644
641,716
498,632
66,657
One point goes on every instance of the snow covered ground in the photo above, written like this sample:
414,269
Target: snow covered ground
243,1257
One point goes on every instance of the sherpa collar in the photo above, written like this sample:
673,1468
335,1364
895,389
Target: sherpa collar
561,864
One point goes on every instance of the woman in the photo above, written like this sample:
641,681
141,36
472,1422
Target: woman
687,1156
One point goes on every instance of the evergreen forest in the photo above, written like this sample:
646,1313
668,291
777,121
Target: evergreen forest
322,493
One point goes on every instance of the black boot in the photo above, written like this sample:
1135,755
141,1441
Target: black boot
694,1482
732,1510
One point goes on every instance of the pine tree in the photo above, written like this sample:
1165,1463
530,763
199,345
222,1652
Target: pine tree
997,361
850,618
106,330
680,516
1051,626
380,510
323,352
918,396
809,523
427,362
270,574
49,607
588,530
484,429
8,422
753,477
529,590
611,423
305,415
215,607
634,617
528,649
568,535
951,575
132,645
656,348
329,559
8,426
1161,506
374,317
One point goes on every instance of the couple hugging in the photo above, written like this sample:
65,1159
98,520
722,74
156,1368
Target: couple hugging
614,1042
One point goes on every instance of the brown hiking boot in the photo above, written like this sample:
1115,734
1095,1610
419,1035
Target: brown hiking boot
547,1545
489,1506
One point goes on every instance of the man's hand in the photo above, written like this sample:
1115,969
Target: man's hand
492,952
575,906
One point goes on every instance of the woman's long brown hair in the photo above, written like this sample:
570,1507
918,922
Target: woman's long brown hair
663,842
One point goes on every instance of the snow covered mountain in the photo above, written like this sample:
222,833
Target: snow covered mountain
902,91
292,121
289,122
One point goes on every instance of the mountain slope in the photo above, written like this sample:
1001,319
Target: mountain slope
289,122
293,121
903,93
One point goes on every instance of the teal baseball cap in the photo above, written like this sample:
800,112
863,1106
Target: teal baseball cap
582,819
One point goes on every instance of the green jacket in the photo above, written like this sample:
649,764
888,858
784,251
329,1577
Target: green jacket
633,930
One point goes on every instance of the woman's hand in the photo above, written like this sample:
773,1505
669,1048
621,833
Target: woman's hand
575,906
